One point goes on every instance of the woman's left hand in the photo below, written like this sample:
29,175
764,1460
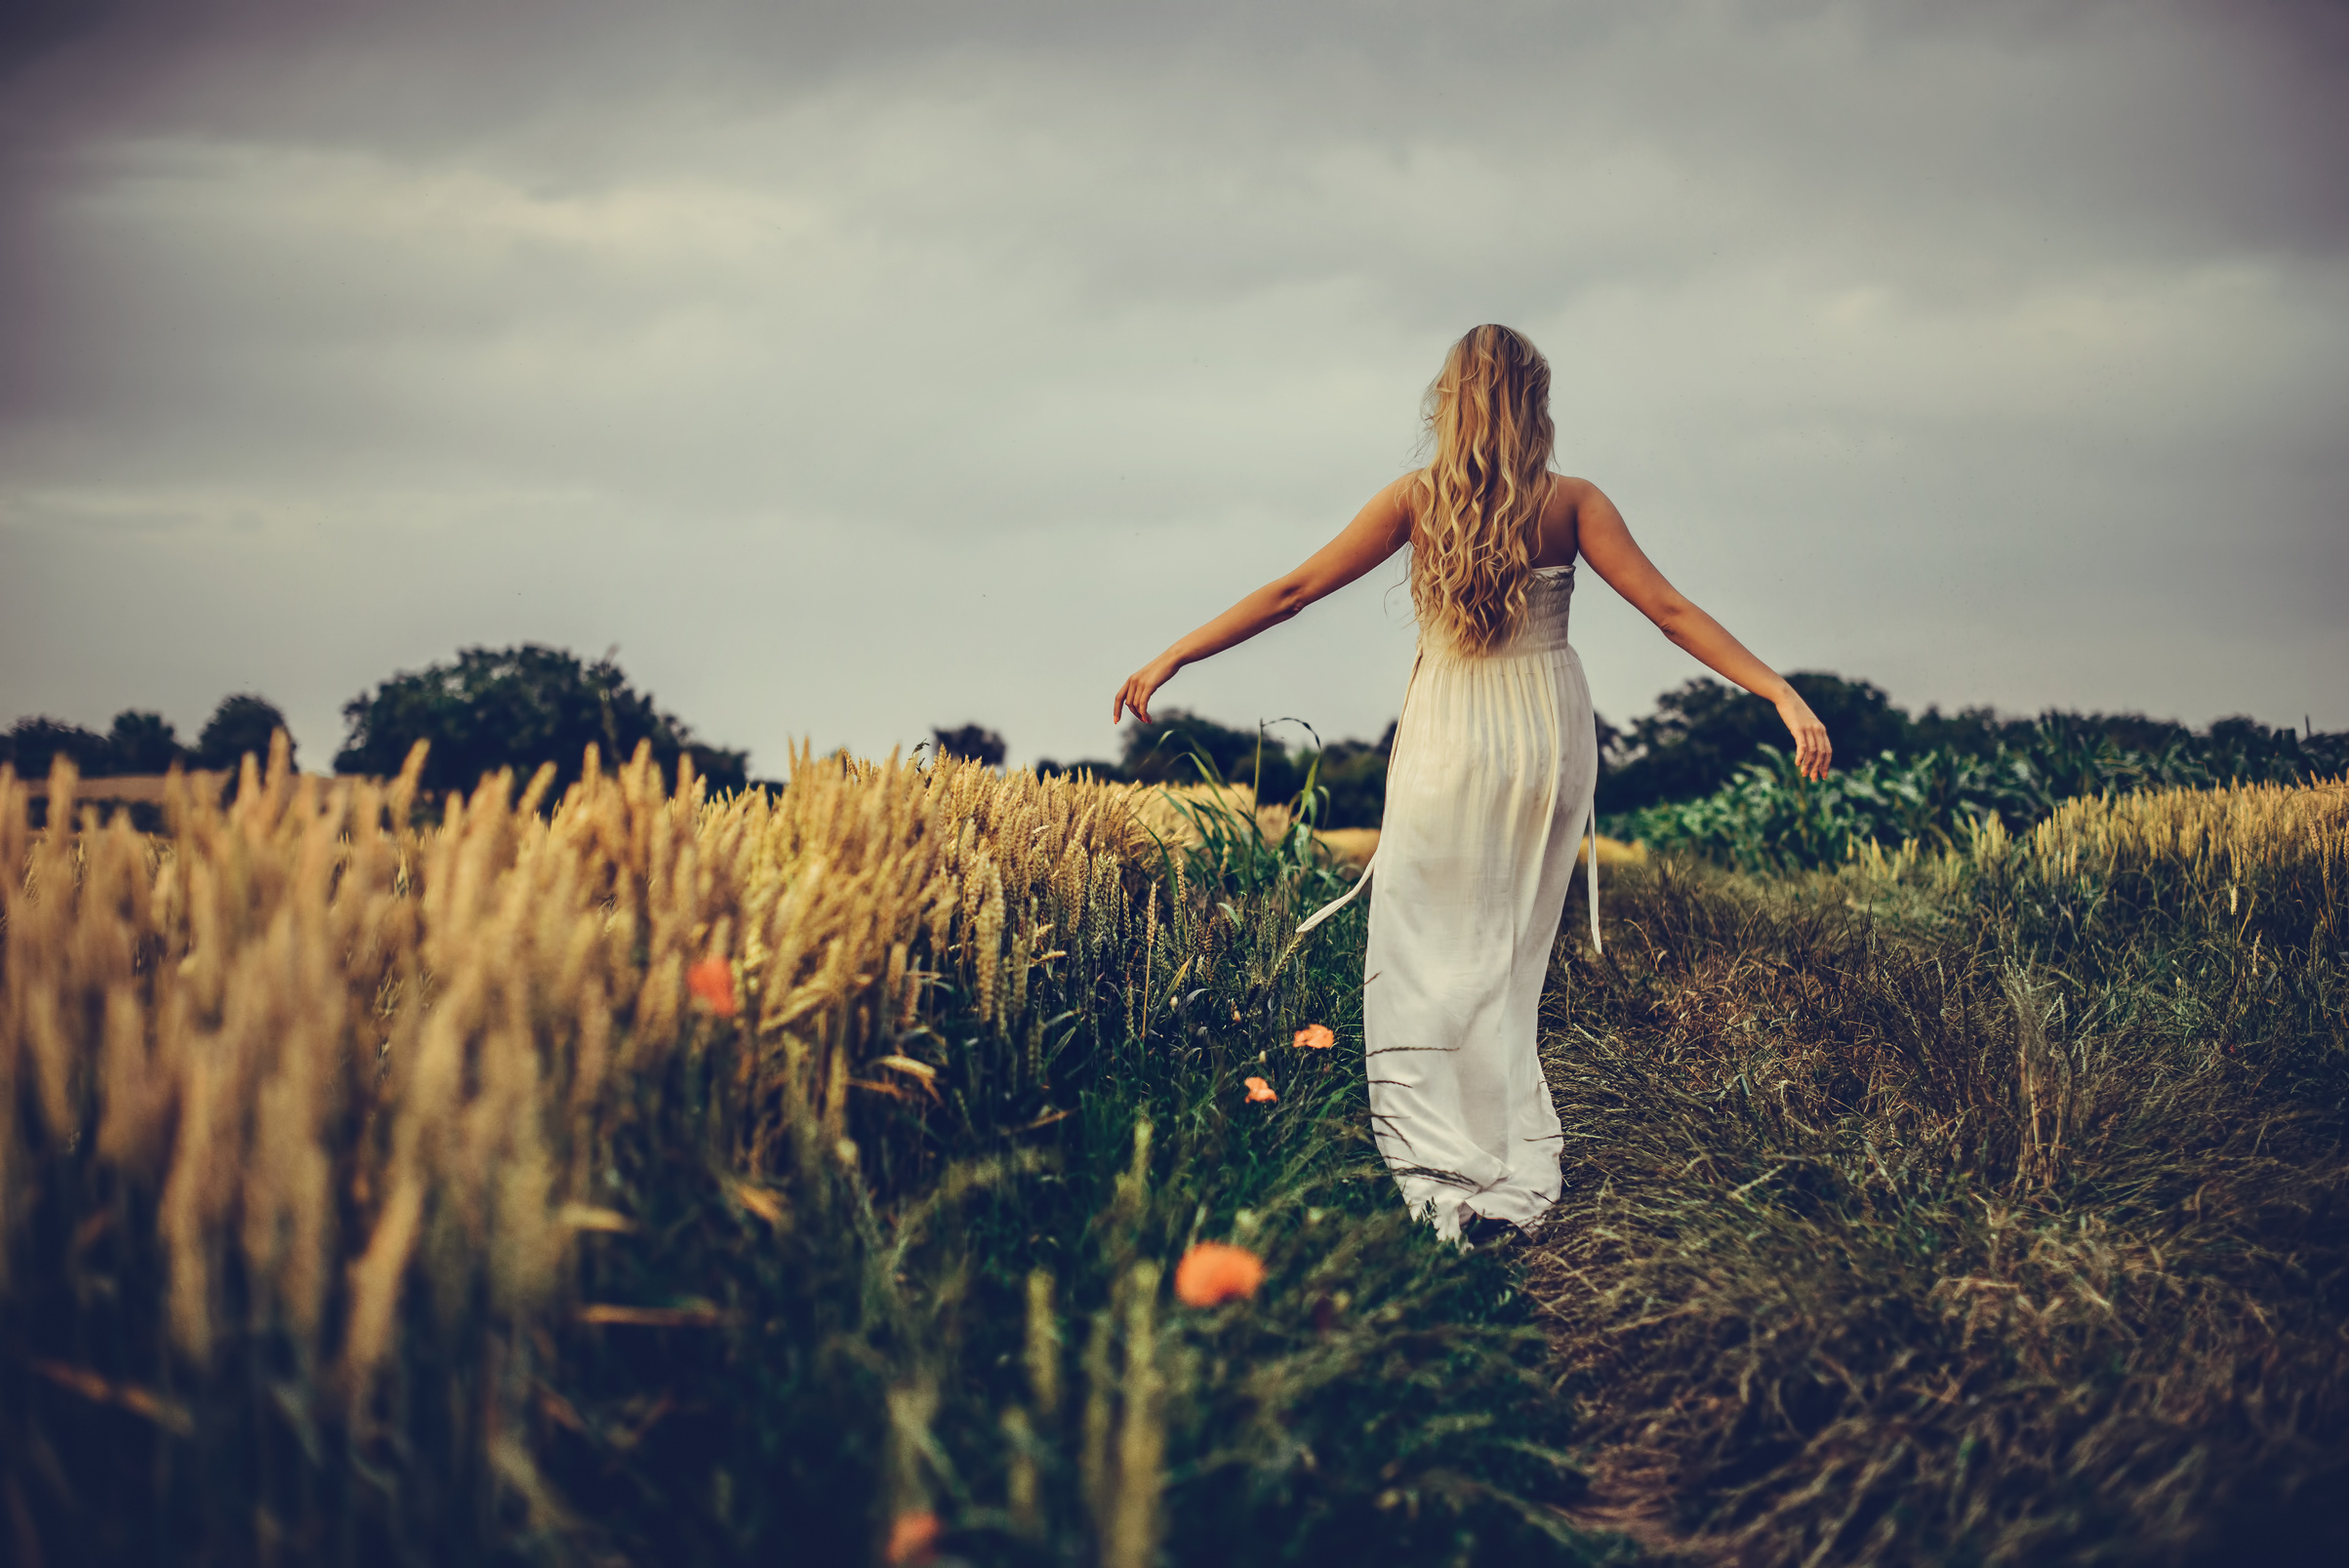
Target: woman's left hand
1134,695
1812,754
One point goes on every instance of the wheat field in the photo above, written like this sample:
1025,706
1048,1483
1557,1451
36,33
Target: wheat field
373,1171
804,1175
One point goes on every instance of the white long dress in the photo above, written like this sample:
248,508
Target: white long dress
1490,786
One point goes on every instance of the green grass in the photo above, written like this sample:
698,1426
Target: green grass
1382,1397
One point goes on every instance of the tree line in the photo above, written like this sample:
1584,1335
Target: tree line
515,707
1705,737
140,741
1705,734
530,704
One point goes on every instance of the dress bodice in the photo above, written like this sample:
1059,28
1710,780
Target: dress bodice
1549,596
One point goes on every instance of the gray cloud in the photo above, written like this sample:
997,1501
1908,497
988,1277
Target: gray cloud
857,367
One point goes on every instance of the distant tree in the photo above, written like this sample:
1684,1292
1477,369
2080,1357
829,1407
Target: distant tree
981,745
1980,732
32,744
242,724
143,743
519,707
1973,732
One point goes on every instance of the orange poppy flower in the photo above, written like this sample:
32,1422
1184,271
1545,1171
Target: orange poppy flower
1213,1272
1260,1092
912,1540
711,981
1316,1037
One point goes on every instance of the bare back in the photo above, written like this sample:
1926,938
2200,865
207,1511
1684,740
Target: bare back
1560,539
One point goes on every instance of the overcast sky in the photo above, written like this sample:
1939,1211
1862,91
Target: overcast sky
855,368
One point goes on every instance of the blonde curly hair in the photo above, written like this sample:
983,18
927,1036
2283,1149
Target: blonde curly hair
1477,506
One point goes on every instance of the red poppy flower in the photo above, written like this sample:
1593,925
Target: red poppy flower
711,981
1316,1037
912,1540
1260,1092
1213,1272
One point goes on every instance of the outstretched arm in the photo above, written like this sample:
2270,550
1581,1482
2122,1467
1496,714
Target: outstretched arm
1607,542
1377,532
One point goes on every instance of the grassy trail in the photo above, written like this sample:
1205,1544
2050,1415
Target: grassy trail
1988,1208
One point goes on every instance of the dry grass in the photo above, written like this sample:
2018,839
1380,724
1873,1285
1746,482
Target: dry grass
1989,1207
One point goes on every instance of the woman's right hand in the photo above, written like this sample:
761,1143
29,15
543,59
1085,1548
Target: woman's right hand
1812,754
1134,695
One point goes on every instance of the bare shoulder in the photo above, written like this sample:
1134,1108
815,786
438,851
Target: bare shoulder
1570,493
1584,502
1564,511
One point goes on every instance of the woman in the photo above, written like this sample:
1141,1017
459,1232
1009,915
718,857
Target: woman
1491,780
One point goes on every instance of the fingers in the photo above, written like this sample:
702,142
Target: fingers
1812,754
1132,697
